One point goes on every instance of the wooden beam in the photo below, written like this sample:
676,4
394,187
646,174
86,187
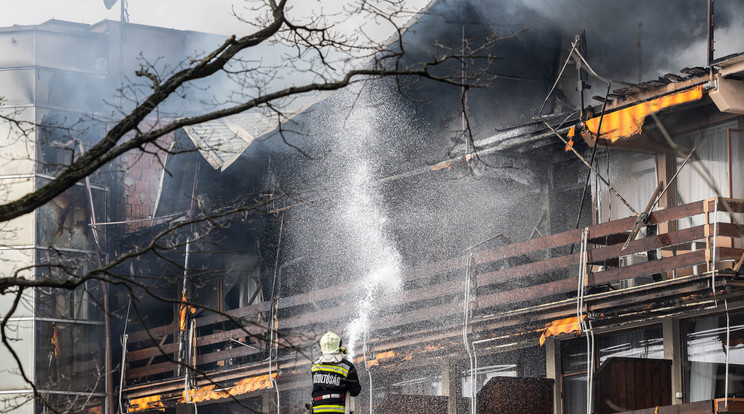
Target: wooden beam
735,405
226,354
239,313
151,352
153,369
149,333
700,407
648,268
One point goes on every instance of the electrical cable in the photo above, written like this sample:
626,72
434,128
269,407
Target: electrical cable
124,349
187,357
274,312
591,160
728,342
580,292
661,194
614,82
475,376
366,366
614,191
713,254
573,47
466,312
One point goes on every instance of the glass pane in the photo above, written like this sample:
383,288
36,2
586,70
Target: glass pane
69,357
638,343
573,355
705,363
499,365
70,403
574,394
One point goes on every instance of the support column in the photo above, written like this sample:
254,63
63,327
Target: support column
450,385
665,169
673,351
553,371
268,401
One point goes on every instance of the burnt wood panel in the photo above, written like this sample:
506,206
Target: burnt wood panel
624,384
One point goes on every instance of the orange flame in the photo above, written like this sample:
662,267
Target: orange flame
629,121
208,393
566,325
184,307
146,403
55,341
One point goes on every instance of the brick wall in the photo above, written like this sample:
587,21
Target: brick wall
141,175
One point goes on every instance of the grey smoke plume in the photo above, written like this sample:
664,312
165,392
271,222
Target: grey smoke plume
673,32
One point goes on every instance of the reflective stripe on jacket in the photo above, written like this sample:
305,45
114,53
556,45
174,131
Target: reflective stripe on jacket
331,381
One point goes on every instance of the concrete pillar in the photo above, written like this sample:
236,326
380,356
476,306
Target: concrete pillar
268,401
673,351
450,385
553,371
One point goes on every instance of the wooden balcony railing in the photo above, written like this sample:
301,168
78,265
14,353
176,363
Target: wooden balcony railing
513,288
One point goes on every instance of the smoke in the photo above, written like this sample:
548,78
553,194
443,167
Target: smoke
672,32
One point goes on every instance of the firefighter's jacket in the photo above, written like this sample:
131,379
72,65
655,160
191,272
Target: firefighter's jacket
332,377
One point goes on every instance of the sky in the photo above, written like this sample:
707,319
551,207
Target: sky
210,16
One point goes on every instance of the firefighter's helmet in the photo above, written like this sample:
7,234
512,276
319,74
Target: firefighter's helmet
329,343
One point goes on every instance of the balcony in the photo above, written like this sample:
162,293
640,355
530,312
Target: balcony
512,293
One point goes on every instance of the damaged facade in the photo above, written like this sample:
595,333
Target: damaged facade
510,294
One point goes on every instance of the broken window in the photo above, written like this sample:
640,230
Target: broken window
69,356
82,303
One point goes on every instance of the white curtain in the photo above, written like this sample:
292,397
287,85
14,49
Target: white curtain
702,353
633,175
712,162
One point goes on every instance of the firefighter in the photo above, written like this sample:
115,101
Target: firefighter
334,377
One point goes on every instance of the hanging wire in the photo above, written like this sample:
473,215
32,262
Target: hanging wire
124,348
715,240
614,191
466,312
591,161
568,58
274,307
585,327
605,80
366,366
728,341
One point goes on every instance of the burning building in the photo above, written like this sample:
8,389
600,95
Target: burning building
580,257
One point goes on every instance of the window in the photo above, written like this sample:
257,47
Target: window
704,365
639,343
645,342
